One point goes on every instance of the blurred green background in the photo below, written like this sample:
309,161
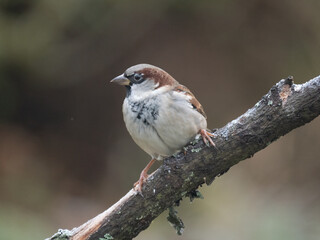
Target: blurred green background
65,154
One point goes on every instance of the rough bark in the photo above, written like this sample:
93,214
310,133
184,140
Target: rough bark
285,107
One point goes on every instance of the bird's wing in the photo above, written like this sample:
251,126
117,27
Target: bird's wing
193,101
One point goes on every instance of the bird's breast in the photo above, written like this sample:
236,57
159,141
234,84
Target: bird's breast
142,112
162,125
140,118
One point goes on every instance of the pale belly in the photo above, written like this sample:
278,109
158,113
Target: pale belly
162,131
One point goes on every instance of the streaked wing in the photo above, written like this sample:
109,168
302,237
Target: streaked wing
193,101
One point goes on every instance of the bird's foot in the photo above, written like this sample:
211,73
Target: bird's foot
138,185
143,177
206,136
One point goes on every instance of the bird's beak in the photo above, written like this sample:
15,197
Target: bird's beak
121,80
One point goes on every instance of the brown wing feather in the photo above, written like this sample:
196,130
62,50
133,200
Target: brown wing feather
194,102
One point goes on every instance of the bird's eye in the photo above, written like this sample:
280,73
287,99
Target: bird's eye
137,77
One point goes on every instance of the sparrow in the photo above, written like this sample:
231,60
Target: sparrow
161,115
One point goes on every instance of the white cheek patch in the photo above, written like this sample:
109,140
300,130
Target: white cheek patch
142,90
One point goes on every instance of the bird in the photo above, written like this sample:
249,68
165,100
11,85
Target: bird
160,114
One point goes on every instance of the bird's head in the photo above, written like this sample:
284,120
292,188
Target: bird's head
145,80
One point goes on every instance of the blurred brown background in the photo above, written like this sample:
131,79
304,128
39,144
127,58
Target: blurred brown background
65,154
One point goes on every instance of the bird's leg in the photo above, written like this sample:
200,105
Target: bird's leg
206,136
143,176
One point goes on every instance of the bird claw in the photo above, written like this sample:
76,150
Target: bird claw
206,137
138,185
143,178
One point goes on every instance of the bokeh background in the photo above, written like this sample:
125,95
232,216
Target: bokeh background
65,154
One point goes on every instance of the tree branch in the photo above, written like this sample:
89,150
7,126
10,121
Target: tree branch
285,107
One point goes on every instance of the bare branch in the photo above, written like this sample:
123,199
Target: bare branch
285,107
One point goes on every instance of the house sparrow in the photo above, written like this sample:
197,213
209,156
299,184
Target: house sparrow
160,114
